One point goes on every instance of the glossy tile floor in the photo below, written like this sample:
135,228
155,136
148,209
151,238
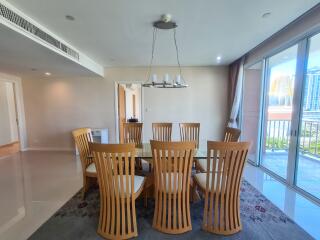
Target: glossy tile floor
308,177
35,184
304,212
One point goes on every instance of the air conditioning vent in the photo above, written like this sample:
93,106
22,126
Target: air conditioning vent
23,23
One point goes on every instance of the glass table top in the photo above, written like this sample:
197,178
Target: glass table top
145,151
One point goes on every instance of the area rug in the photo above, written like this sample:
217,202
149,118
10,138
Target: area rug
261,219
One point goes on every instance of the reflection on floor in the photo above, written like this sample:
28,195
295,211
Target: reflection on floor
35,184
298,208
308,175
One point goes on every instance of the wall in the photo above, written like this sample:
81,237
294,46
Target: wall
250,109
204,101
56,106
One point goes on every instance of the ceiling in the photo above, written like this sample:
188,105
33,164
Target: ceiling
23,57
119,32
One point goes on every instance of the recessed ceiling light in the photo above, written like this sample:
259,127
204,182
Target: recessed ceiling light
266,15
219,59
47,74
70,18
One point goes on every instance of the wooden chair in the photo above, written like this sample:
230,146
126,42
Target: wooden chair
190,132
82,137
132,133
162,131
172,173
221,186
231,135
119,188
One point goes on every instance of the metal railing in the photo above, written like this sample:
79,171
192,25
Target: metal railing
278,136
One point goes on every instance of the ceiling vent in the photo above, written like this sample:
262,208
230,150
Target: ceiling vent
34,30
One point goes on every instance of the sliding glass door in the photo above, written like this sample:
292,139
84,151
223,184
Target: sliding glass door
278,108
281,115
308,158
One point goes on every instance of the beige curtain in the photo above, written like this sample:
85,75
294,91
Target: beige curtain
235,93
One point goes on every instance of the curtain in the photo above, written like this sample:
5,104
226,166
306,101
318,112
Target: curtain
235,93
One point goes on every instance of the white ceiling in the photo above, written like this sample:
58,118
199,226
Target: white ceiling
119,32
23,57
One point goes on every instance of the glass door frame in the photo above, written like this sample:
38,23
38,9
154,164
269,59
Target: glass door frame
301,68
293,142
305,56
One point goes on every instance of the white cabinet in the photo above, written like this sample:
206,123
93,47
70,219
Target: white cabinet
99,135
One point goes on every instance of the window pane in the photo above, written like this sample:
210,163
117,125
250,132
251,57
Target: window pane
280,86
308,171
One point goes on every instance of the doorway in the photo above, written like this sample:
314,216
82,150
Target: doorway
9,137
129,105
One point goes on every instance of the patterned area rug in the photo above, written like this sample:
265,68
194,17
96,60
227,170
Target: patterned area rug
261,219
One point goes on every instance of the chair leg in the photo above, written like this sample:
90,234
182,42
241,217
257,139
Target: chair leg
146,198
85,187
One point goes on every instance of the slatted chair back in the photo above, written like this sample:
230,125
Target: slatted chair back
115,171
172,173
162,131
82,137
232,134
133,133
190,132
225,163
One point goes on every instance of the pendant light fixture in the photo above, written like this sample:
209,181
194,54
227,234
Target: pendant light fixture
166,81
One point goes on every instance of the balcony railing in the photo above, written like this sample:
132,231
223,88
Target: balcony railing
278,136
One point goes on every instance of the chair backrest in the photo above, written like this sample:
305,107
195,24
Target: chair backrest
162,131
115,172
82,137
190,132
132,133
232,134
172,172
225,163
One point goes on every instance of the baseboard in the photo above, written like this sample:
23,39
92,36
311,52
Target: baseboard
48,149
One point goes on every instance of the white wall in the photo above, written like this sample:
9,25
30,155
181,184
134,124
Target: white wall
54,107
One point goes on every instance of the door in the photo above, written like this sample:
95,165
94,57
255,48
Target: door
278,142
9,137
121,110
308,157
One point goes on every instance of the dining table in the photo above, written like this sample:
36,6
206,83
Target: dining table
144,151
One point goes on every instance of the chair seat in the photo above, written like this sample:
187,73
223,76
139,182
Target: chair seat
91,168
174,176
202,164
138,183
201,179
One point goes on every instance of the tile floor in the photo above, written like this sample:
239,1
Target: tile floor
308,177
35,184
304,212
